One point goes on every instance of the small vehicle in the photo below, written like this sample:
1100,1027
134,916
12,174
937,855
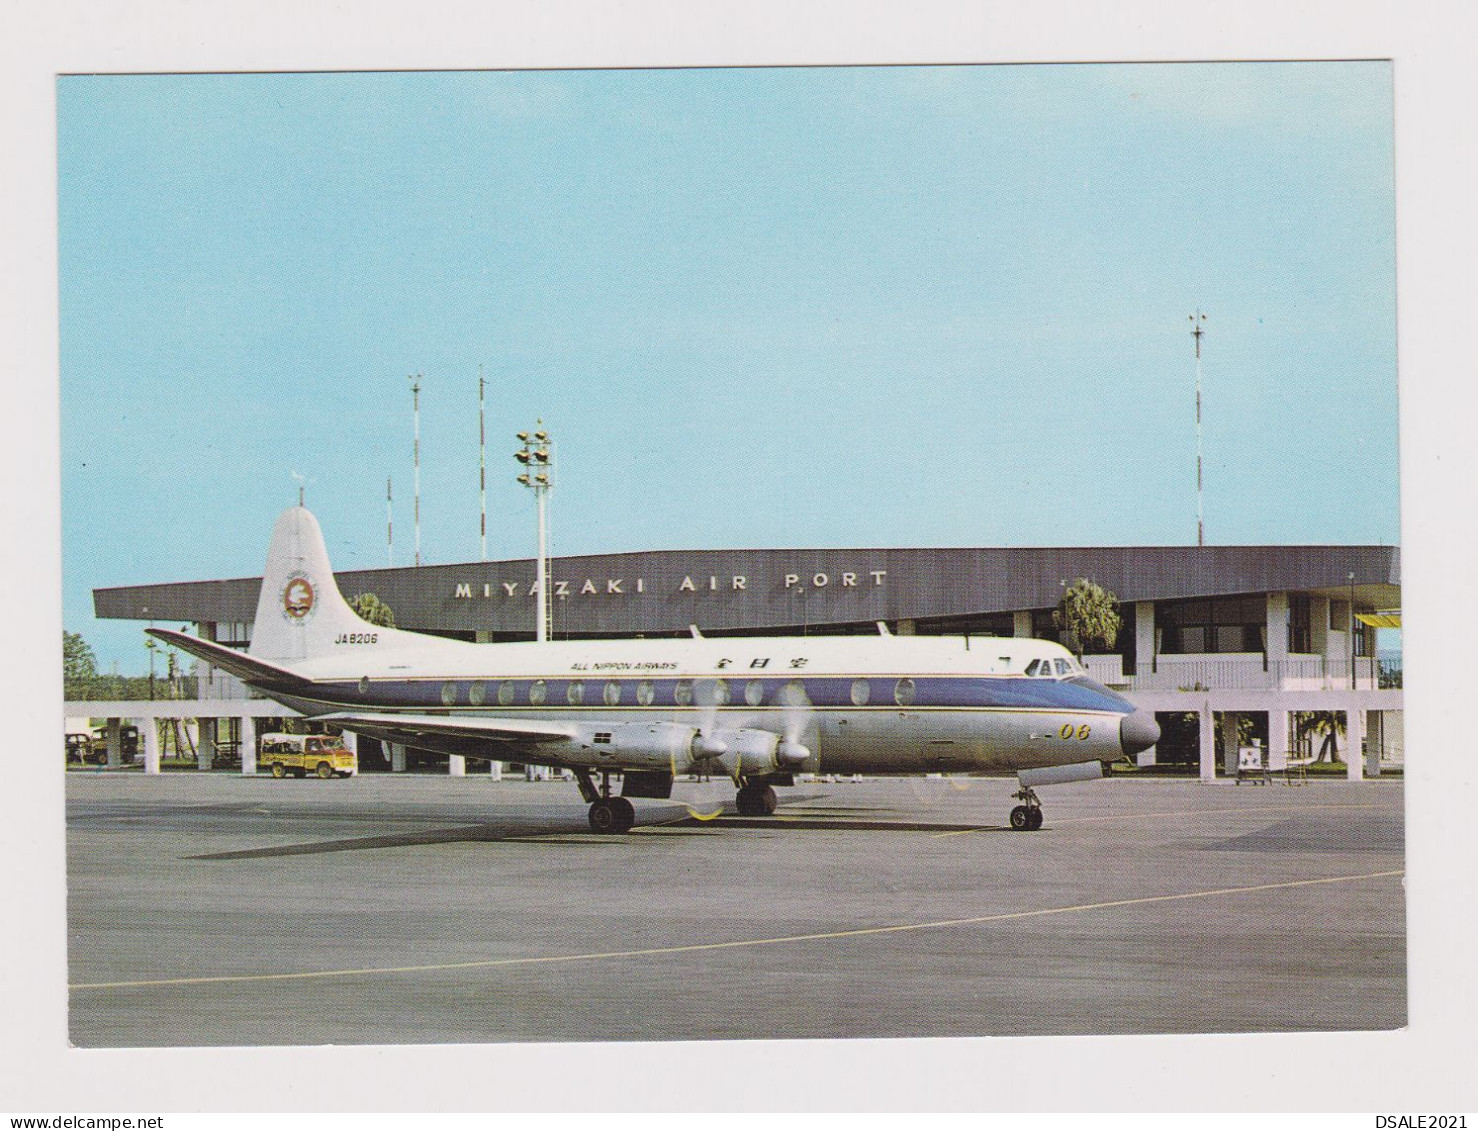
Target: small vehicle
92,748
304,754
79,749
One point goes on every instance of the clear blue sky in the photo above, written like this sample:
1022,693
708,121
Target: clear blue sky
789,307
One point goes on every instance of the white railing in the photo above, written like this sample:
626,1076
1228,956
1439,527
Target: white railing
1251,673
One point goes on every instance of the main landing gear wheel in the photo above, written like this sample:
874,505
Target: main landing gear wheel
1027,817
612,815
756,800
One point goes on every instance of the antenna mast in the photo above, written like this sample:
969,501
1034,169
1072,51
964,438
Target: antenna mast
416,412
389,523
1198,320
482,463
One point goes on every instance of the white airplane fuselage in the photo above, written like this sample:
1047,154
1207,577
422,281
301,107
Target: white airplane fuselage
881,705
757,709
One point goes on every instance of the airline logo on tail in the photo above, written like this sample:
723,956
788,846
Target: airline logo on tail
298,598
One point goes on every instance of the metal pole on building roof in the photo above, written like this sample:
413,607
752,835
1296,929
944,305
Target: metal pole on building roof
416,449
482,462
1197,321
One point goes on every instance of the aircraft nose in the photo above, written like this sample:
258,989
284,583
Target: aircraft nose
1138,731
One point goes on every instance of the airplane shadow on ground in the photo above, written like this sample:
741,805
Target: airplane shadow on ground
671,822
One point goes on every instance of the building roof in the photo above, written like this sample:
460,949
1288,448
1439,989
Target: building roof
664,591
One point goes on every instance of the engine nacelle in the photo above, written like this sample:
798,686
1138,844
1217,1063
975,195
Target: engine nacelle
675,748
637,746
744,751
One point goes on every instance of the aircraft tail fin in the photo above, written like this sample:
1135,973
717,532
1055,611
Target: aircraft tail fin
301,614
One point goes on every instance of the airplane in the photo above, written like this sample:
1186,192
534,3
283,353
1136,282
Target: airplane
758,710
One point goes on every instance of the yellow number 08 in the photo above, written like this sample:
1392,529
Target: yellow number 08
1067,731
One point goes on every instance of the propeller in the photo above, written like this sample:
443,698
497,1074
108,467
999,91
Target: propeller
709,698
707,747
749,743
795,717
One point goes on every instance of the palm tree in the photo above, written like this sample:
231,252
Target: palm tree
1330,724
370,608
1087,614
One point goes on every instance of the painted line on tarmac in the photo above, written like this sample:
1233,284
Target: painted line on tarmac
691,948
1177,813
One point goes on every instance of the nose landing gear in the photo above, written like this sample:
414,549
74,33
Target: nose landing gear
1026,817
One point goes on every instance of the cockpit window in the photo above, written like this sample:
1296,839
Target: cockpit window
1052,668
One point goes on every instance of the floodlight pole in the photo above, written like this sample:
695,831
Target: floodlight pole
482,462
1197,321
537,456
546,609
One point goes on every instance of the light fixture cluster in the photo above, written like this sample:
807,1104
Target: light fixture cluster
536,457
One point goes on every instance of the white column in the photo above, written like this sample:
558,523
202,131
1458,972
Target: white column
1208,743
1229,745
205,743
1021,623
457,766
1376,741
248,746
1354,732
1277,635
113,732
495,771
149,737
397,758
1277,740
1144,637
1319,626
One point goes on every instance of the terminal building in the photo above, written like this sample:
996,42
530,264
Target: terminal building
1226,644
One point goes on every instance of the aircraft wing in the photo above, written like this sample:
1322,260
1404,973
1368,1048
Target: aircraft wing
460,734
451,726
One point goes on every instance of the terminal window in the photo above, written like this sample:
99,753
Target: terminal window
1300,623
1364,639
1217,624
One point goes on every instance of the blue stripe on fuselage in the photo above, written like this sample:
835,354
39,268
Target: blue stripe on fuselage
936,692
